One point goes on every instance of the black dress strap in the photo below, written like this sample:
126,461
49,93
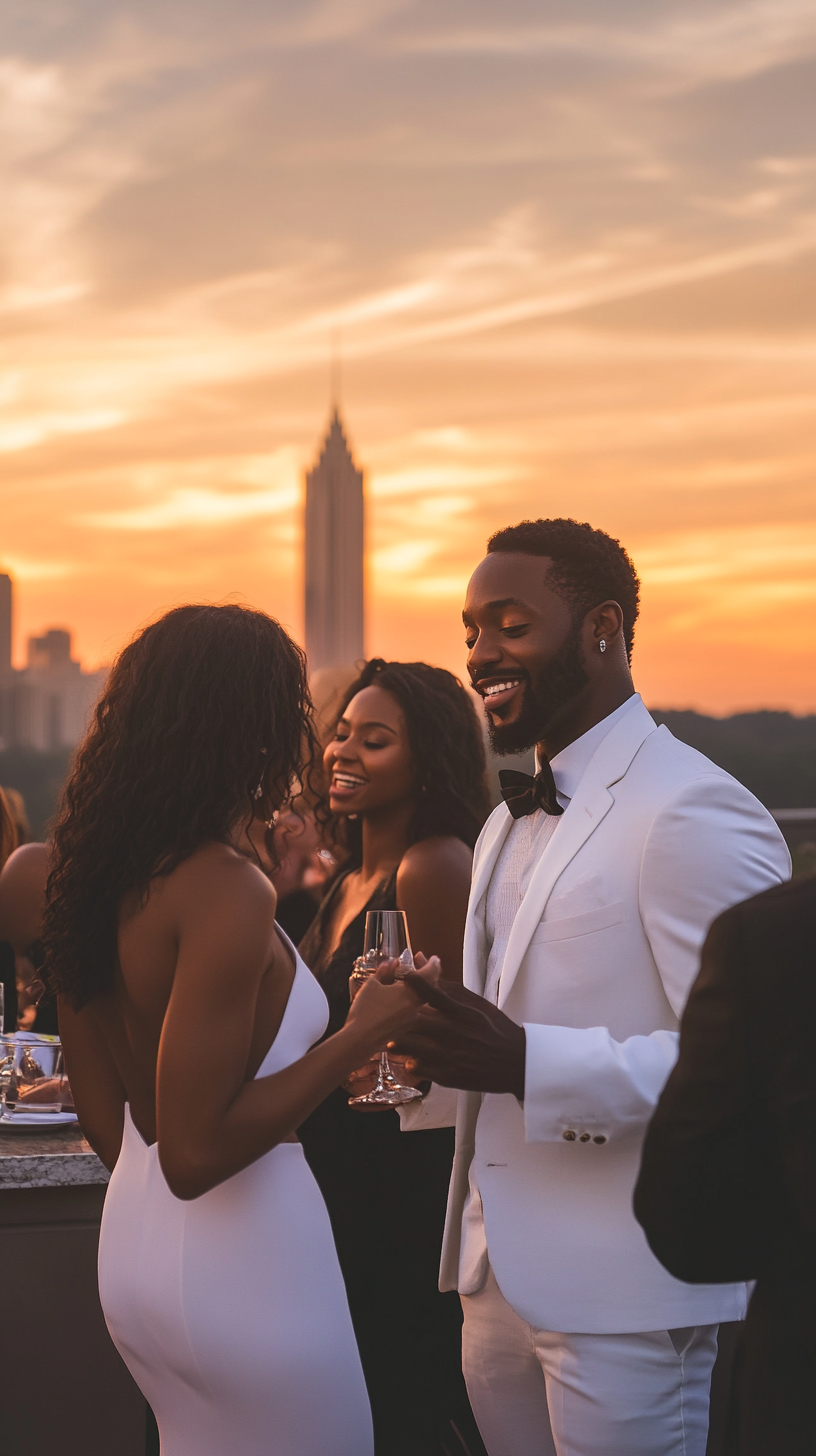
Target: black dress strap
333,974
8,980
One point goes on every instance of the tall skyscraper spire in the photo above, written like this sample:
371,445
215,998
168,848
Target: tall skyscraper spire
334,554
336,370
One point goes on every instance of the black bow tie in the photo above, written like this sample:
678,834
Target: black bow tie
523,794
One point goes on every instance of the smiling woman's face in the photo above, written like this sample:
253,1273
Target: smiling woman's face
369,760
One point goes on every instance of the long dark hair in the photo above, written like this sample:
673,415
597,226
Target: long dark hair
447,745
200,709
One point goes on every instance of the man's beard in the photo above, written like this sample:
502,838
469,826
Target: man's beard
544,699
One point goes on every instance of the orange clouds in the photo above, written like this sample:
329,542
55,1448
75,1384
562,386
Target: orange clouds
573,269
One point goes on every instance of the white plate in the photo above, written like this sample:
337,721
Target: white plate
26,1121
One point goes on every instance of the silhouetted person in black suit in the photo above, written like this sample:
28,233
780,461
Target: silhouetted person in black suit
727,1188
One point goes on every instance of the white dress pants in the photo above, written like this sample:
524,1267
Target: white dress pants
536,1393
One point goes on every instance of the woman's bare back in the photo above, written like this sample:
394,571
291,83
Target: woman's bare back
131,1014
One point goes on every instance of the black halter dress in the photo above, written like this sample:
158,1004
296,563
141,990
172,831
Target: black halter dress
386,1192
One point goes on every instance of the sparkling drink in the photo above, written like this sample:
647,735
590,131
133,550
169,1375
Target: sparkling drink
386,938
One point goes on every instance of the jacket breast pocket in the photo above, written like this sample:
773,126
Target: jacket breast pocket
603,918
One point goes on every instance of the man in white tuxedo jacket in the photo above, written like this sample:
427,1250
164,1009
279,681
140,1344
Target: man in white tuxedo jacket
593,889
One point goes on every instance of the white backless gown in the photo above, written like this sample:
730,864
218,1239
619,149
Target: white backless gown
230,1310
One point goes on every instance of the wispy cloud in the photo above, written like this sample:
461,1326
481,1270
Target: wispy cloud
743,553
193,508
693,43
25,570
25,432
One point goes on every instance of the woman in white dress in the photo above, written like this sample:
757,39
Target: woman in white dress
187,1019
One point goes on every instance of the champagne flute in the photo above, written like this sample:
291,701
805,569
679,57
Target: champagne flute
386,938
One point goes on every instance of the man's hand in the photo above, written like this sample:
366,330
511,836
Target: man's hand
461,1040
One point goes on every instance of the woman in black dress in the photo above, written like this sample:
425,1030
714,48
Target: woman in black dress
407,772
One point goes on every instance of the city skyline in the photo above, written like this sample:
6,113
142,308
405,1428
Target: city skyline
26,628
572,260
45,704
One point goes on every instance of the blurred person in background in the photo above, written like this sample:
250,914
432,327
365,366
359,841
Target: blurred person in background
406,773
291,852
727,1186
9,839
19,813
22,906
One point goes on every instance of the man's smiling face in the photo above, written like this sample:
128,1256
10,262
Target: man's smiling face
525,652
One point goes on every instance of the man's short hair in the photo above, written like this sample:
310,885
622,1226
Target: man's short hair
588,568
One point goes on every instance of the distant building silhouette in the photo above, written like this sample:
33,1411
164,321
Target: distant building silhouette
46,704
5,625
334,555
51,650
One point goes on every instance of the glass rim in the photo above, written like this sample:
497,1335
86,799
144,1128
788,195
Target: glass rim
30,1038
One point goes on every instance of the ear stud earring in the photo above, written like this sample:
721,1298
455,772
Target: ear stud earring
602,644
258,794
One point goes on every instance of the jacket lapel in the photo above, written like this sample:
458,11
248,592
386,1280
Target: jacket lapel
591,803
493,836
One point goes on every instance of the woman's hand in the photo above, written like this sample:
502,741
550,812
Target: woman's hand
380,1011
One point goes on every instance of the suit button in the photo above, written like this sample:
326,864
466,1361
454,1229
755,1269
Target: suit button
584,1138
568,1136
600,1139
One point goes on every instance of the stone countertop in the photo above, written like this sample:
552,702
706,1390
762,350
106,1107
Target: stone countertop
57,1158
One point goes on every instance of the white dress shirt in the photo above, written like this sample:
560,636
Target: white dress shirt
526,842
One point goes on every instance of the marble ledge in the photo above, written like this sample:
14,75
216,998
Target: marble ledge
60,1158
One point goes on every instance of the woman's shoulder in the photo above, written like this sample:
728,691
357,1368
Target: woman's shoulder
26,868
33,857
443,856
22,894
216,881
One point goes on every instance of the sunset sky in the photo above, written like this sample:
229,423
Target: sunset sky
568,251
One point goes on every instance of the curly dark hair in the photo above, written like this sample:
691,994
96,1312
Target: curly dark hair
202,708
446,741
589,566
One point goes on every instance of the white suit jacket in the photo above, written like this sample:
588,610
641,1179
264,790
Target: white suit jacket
654,844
